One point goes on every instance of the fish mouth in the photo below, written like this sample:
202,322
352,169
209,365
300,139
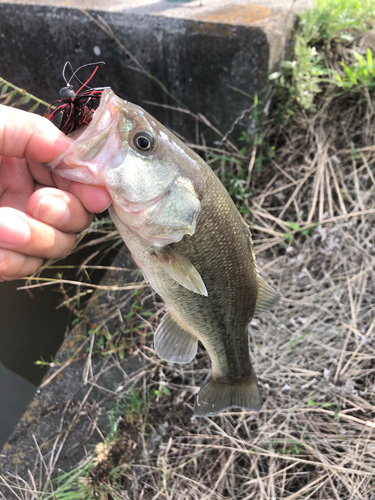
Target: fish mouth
100,144
104,115
85,160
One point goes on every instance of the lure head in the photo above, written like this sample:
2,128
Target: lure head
151,179
67,94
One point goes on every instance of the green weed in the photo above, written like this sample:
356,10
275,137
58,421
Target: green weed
300,80
11,95
336,19
321,405
305,230
359,74
294,342
72,485
302,76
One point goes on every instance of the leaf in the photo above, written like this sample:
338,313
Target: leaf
165,390
4,90
10,97
370,61
288,237
275,75
34,107
22,100
294,226
240,91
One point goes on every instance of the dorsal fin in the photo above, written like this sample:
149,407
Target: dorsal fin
267,298
250,243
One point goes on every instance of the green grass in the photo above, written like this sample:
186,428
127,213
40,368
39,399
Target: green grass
336,19
11,95
359,74
321,30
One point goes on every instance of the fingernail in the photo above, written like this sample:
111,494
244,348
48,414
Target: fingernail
14,230
52,210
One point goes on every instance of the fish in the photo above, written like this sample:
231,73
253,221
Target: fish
186,235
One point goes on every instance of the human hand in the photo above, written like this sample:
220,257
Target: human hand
39,212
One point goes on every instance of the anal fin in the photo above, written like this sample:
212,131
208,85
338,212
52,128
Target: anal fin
267,298
217,395
181,270
173,343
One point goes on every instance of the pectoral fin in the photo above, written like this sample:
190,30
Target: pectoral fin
268,297
173,343
181,270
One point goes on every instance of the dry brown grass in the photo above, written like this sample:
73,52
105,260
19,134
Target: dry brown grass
314,354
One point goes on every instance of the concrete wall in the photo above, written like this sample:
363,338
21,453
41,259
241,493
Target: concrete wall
197,53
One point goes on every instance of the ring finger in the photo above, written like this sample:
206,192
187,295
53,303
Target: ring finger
15,265
21,233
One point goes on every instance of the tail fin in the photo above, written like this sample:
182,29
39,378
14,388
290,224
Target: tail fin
217,395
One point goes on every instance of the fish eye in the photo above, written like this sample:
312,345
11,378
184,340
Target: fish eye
143,141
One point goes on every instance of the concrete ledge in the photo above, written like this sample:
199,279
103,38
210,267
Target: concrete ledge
198,53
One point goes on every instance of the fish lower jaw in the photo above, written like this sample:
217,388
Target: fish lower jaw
153,234
134,208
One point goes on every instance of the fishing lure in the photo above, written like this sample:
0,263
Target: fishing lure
78,107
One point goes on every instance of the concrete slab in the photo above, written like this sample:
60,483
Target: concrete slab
201,53
178,8
75,397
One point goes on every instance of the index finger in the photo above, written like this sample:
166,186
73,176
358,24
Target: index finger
30,136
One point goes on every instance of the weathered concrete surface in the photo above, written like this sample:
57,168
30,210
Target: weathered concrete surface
14,401
198,53
177,8
65,414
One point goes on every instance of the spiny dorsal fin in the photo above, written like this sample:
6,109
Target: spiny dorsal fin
250,243
216,396
267,298
173,343
181,270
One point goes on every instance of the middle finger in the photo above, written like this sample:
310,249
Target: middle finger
59,209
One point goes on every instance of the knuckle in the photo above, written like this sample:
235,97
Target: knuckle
26,265
73,243
17,265
61,246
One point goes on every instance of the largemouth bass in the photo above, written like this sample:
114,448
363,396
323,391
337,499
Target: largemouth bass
187,236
